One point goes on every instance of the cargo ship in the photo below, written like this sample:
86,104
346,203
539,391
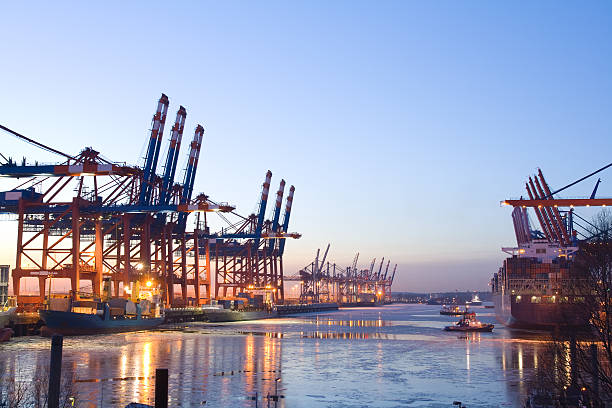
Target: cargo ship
85,317
535,288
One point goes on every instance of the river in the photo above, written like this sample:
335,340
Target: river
391,356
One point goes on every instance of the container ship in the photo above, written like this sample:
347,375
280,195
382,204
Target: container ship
539,285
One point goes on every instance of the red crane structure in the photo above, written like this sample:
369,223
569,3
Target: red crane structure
248,253
558,225
90,219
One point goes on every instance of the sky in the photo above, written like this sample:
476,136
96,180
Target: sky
402,124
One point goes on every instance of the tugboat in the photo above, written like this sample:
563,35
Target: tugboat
452,311
469,323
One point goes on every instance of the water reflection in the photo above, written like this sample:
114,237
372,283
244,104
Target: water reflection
390,356
351,323
346,335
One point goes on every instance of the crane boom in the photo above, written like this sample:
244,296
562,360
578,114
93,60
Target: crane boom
172,158
262,207
157,130
286,217
192,165
277,211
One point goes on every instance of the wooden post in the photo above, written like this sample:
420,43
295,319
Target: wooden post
55,370
161,388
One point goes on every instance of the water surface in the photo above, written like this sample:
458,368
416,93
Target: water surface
391,356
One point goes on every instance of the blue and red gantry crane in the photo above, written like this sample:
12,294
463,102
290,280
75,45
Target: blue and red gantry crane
90,219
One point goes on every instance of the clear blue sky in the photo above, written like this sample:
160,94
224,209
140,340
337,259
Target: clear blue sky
401,124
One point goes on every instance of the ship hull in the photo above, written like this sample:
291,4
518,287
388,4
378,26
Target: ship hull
537,316
361,304
226,315
77,324
485,328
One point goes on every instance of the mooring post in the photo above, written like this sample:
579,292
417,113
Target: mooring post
55,370
161,388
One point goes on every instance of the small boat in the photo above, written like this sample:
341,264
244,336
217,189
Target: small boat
469,323
6,334
452,311
474,302
6,315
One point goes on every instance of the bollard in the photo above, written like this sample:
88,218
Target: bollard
55,370
161,388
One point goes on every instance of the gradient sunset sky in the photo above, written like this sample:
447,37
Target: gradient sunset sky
401,124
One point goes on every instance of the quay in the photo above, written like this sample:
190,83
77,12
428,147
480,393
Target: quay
27,324
305,308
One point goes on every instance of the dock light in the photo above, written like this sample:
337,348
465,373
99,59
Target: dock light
149,284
